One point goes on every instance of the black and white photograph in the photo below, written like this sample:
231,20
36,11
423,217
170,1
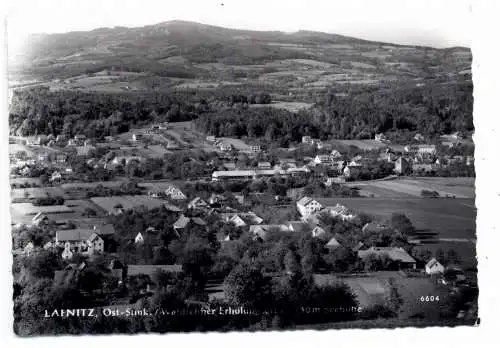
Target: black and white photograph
224,166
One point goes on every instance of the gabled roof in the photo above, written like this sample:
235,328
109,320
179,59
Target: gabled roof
106,229
304,200
298,226
94,236
181,222
432,262
39,216
75,235
395,254
333,244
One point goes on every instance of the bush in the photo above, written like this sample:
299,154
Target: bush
429,194
44,201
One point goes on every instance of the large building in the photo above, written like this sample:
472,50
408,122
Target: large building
424,149
308,206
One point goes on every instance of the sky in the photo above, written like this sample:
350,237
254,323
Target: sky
437,23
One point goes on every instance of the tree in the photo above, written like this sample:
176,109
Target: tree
247,286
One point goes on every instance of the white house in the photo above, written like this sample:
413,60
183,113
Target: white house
198,203
307,206
323,159
82,241
39,218
434,267
318,232
335,154
139,239
174,193
255,148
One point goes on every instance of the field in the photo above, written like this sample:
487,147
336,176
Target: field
412,187
449,218
36,192
128,202
369,144
286,105
441,223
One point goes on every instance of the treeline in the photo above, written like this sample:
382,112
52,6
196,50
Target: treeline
41,111
428,110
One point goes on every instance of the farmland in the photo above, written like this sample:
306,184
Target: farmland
412,187
449,218
447,224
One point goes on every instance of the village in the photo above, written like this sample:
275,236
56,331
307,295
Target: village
74,196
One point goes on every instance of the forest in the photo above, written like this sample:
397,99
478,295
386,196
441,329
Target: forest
394,110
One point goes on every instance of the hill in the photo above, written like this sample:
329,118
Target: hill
187,54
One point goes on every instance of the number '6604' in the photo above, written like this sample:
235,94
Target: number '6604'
429,298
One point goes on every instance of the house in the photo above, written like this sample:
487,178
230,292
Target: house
434,267
61,138
263,232
211,138
55,176
216,199
255,148
397,255
28,249
423,149
136,137
335,154
318,232
352,169
226,147
402,166
334,180
332,244
419,137
139,238
307,206
198,203
69,272
174,193
183,222
242,219
307,140
319,172
81,241
323,159
264,165
341,212
43,157
298,226
39,219
380,137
